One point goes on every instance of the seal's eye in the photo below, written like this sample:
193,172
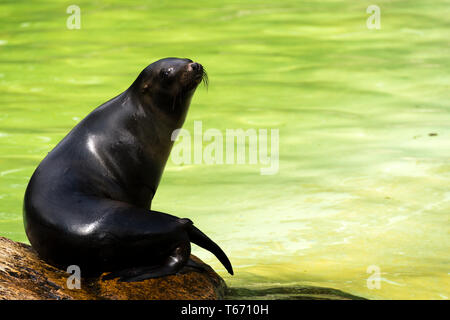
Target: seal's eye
165,73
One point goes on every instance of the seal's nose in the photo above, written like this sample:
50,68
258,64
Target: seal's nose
196,66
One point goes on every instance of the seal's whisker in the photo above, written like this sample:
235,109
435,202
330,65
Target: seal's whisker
205,79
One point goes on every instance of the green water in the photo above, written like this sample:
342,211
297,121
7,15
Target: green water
361,180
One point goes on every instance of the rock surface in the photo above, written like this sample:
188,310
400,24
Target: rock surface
26,277
289,293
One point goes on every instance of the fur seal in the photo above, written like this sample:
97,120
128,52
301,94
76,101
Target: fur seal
88,202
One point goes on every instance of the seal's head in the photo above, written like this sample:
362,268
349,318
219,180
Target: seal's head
168,85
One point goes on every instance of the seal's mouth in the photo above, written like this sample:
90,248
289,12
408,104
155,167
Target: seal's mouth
197,74
192,75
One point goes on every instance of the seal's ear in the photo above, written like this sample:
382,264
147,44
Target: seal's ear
145,87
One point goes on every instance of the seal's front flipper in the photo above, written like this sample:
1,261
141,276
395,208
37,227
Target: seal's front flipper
202,240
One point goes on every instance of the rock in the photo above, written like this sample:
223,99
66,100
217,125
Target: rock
23,275
289,293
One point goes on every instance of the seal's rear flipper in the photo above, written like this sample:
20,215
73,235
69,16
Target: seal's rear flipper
170,266
139,273
202,240
193,266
